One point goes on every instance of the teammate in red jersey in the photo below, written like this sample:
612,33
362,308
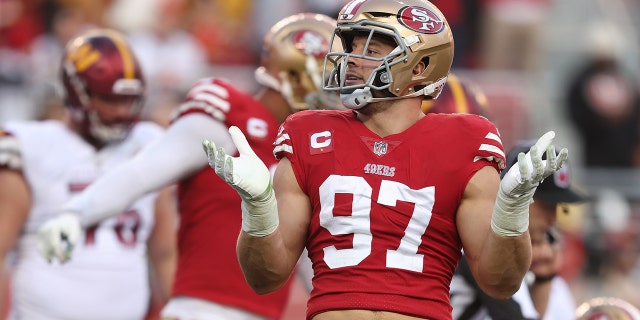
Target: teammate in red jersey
384,197
208,282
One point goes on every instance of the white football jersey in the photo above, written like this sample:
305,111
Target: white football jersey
107,276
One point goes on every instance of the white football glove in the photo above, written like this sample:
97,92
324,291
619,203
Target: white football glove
511,210
58,236
251,179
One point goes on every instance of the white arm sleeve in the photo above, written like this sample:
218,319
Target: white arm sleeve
174,156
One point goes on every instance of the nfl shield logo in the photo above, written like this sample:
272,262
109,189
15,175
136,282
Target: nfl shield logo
380,148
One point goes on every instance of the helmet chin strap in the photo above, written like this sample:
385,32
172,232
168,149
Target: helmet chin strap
361,97
265,79
356,99
283,86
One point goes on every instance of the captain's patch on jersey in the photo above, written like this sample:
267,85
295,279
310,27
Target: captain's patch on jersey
320,142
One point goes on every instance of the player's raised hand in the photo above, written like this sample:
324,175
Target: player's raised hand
245,173
58,236
524,176
250,177
511,210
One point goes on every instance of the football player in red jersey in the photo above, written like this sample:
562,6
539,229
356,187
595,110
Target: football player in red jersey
43,164
384,197
209,283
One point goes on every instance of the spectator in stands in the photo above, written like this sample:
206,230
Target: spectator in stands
603,103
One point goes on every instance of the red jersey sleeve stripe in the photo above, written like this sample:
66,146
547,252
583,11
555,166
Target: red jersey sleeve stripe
211,99
282,145
211,87
206,97
491,149
198,107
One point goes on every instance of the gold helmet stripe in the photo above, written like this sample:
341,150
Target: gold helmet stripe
128,64
459,97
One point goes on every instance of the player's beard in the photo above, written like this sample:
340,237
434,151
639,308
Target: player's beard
372,108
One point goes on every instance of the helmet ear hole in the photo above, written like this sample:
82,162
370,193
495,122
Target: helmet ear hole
419,70
425,63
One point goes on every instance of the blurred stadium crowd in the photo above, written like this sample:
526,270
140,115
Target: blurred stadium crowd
569,66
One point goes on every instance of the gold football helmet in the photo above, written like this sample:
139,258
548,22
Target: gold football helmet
292,57
421,34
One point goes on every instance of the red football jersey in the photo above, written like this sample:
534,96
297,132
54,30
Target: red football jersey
383,234
210,214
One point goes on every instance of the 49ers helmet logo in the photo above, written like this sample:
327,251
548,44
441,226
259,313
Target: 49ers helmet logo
311,43
420,19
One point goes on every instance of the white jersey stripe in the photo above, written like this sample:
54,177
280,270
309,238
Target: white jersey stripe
212,99
493,136
497,160
491,148
281,138
199,105
283,148
208,86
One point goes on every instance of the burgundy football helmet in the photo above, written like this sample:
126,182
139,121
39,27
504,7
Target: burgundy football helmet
459,95
100,62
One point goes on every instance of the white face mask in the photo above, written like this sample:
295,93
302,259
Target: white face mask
103,133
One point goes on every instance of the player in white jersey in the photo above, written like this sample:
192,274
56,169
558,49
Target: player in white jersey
43,164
